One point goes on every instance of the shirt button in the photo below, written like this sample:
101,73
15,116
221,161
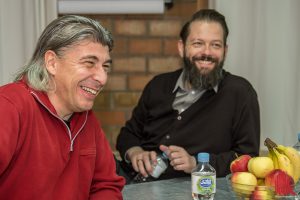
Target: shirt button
179,117
167,137
182,110
193,92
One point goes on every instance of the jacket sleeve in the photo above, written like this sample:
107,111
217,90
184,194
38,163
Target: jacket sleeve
9,130
245,135
132,133
106,183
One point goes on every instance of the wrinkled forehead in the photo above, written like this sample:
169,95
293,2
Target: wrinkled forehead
80,44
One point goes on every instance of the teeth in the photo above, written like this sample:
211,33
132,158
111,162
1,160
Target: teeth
89,90
206,62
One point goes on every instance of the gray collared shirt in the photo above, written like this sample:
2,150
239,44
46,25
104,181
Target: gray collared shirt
185,97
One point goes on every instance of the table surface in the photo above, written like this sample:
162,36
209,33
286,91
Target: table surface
172,189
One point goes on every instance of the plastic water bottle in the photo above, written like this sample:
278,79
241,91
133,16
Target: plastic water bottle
297,145
203,179
158,169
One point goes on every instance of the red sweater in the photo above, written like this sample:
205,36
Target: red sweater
42,159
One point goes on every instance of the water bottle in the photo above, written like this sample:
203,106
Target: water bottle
158,169
203,179
297,145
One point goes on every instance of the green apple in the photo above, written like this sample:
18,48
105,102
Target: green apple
245,178
243,183
260,166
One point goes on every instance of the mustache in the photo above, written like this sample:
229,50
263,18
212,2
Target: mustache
205,57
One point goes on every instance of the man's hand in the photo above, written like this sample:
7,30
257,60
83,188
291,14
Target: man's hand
179,158
141,160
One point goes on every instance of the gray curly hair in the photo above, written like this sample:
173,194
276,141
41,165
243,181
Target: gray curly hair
60,34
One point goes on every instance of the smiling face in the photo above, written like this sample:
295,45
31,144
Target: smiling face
203,52
79,75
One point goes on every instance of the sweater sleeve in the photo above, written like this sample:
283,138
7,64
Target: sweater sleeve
132,133
9,130
245,136
106,183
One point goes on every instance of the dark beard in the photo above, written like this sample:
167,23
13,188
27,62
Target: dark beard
200,80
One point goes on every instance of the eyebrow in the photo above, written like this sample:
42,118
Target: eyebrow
198,39
89,57
109,61
94,58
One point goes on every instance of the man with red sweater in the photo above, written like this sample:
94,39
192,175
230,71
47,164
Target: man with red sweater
51,144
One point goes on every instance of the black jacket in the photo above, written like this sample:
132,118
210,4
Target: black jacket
222,123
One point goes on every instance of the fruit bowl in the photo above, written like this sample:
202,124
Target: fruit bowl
243,191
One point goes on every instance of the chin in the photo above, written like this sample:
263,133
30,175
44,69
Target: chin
85,107
205,71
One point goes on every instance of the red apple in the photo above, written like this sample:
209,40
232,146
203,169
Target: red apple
240,164
262,192
281,182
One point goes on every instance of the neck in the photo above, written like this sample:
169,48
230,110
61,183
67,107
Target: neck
187,85
61,110
66,117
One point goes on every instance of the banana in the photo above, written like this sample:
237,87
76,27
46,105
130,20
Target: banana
284,163
285,158
274,158
294,157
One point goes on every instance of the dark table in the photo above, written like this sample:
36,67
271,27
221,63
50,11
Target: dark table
172,189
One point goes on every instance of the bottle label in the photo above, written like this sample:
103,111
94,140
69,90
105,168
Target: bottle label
203,184
159,169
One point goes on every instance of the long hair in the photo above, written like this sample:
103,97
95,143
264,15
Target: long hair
58,36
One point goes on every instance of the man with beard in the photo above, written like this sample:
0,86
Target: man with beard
200,108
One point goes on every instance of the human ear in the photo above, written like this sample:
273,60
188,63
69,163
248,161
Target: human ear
180,47
225,50
50,59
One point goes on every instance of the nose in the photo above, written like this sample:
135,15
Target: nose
207,49
100,75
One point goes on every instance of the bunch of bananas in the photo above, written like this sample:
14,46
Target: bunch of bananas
285,158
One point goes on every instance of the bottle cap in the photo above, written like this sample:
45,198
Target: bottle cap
165,155
203,157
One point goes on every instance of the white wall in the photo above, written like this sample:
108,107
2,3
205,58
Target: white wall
21,23
264,47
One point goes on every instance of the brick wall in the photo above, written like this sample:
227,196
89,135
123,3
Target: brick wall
145,45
